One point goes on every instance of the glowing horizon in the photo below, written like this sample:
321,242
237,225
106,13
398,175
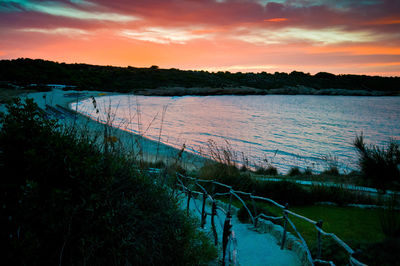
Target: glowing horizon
341,37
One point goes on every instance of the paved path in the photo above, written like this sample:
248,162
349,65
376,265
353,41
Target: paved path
253,248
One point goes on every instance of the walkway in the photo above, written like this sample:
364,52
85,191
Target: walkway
253,248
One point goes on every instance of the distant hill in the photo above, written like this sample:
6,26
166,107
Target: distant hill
156,81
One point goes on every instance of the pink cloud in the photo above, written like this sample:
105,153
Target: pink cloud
207,33
276,20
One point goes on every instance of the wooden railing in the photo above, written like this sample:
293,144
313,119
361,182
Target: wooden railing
192,186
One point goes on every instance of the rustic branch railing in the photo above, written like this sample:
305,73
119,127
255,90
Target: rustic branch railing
227,237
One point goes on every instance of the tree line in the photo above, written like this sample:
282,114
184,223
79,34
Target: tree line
24,71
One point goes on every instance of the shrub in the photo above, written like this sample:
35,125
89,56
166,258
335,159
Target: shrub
339,195
379,166
331,171
390,218
308,171
219,171
64,201
384,253
331,251
294,171
284,192
270,170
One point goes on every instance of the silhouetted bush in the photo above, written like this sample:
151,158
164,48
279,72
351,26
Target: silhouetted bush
332,171
390,217
294,171
385,253
308,172
66,202
379,166
270,170
340,195
282,191
331,251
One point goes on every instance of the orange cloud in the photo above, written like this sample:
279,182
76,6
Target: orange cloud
275,20
384,21
356,50
387,64
217,35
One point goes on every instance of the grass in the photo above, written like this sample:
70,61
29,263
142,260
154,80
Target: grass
356,227
348,223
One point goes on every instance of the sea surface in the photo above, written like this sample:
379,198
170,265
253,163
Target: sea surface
285,131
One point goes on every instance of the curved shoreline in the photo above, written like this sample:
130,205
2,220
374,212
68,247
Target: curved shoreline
139,146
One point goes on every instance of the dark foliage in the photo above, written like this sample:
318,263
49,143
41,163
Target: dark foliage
308,172
331,251
332,171
128,79
283,191
379,166
384,253
270,170
65,202
340,195
294,171
390,217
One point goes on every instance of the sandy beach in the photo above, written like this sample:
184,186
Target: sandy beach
138,146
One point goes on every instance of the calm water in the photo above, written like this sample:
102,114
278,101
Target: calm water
287,131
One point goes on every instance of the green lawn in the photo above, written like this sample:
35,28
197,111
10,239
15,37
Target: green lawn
348,223
352,225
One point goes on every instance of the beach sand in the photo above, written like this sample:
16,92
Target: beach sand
136,145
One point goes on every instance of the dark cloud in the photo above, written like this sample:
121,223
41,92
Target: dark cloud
350,15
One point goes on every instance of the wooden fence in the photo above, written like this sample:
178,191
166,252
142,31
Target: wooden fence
193,186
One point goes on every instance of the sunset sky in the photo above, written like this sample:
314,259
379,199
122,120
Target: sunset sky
341,36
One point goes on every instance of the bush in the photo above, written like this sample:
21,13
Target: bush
308,171
385,253
284,192
339,195
294,171
379,166
331,251
220,171
331,171
270,170
390,218
66,202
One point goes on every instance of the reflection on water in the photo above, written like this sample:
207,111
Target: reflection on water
287,130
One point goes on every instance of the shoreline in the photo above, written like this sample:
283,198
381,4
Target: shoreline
139,146
244,91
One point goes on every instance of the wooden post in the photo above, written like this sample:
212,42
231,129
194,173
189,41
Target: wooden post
319,251
255,212
203,212
212,189
214,230
230,201
225,236
285,217
188,201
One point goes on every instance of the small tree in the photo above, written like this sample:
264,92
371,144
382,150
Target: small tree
379,166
